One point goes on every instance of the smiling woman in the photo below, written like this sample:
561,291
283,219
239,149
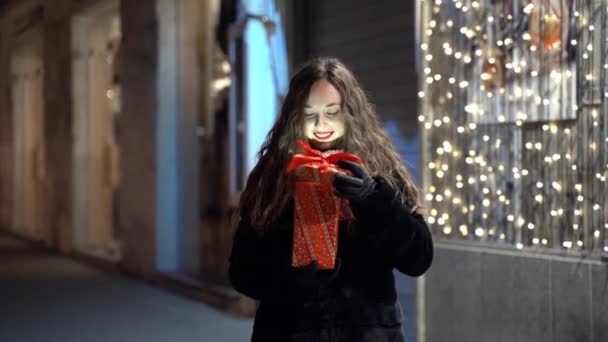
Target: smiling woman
324,119
360,198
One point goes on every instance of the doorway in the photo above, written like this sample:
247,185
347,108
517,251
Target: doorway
28,125
96,35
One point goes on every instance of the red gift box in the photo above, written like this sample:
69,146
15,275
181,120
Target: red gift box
317,210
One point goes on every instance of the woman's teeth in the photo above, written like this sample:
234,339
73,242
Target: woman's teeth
323,135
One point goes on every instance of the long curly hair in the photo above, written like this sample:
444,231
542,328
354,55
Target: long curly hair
268,188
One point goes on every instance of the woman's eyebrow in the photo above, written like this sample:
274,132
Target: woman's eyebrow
328,105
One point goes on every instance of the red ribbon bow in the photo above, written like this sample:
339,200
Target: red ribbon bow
324,160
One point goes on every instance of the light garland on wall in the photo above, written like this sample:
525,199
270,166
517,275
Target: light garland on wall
515,127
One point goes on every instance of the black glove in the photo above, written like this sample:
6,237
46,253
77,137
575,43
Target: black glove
311,276
357,187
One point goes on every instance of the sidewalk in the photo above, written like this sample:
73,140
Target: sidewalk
47,298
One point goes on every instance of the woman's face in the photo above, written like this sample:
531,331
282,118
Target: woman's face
323,116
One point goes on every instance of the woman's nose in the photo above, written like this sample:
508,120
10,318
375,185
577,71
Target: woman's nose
321,119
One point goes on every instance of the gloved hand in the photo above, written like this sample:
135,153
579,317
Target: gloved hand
357,187
311,276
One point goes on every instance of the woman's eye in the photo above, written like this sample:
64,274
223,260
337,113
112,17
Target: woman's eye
332,114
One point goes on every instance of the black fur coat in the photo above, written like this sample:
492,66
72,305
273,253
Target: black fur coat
361,303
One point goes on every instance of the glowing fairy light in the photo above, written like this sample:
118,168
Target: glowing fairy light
557,186
463,230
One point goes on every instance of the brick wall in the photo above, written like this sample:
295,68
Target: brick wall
57,130
137,135
6,120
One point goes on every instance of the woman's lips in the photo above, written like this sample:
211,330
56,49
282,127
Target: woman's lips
323,135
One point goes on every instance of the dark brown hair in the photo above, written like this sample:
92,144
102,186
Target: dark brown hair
268,189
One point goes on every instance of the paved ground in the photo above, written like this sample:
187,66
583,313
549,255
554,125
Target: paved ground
48,298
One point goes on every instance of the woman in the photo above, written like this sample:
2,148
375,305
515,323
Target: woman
357,299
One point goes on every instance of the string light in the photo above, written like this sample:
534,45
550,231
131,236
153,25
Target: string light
489,153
